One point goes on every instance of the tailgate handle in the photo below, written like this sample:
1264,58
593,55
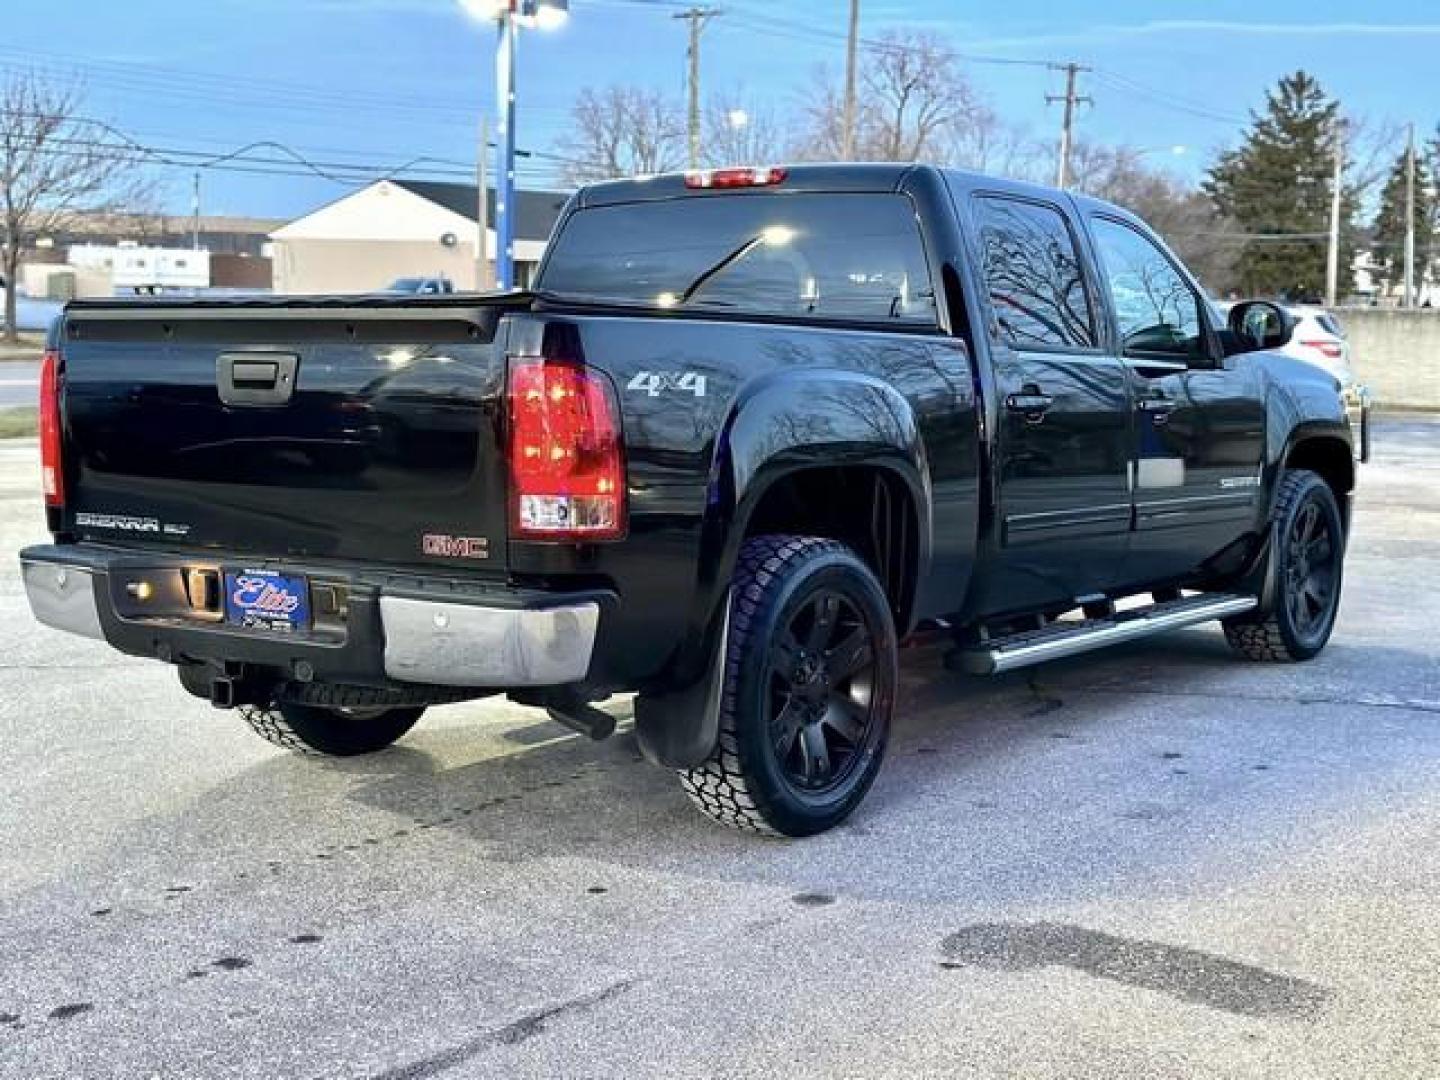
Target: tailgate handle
256,378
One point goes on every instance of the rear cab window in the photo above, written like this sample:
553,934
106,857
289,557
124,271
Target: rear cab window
826,257
1034,276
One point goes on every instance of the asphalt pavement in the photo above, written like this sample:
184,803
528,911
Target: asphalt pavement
1158,861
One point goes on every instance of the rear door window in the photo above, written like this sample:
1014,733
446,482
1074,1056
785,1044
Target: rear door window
1034,276
853,257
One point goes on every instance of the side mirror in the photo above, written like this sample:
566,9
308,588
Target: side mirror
1259,324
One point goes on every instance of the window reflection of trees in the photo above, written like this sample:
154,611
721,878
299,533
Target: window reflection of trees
1034,276
1156,309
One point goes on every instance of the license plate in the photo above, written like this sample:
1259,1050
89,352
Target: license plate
267,600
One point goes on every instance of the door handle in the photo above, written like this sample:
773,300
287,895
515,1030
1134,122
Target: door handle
1159,407
1031,402
256,379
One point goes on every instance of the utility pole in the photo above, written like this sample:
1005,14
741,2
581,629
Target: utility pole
1067,125
484,279
1410,219
698,17
195,212
852,48
1332,256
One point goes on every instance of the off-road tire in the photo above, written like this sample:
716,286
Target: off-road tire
1271,635
323,732
742,784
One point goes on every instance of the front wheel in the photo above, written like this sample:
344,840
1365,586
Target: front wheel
809,688
1307,556
332,732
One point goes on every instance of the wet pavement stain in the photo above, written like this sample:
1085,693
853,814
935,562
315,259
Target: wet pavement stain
812,899
67,1012
1189,975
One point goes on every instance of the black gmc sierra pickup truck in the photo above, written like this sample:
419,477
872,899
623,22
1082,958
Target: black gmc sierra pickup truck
749,429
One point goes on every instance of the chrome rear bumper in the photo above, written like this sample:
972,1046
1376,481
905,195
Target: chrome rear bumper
526,640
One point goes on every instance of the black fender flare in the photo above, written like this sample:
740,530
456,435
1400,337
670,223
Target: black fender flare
780,424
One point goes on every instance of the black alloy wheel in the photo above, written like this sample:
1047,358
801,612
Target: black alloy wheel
1312,571
1307,553
821,694
810,672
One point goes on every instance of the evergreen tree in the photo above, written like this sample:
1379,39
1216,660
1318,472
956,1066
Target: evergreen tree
1389,234
1279,182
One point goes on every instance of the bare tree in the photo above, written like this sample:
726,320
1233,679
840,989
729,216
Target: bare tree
1205,240
986,143
914,101
741,132
914,94
53,162
621,131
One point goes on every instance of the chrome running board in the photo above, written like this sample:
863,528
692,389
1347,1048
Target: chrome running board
1059,639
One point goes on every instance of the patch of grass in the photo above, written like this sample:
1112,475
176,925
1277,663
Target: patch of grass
28,348
18,423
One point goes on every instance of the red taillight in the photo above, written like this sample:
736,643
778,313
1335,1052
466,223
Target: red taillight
735,178
567,472
52,474
1329,349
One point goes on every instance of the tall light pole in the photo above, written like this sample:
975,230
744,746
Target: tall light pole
1337,184
1410,219
510,16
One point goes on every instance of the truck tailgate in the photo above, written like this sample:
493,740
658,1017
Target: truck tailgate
352,428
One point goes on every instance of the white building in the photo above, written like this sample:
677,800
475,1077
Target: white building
404,228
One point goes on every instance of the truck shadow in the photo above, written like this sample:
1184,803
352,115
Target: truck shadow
1117,770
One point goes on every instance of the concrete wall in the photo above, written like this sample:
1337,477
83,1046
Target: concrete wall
1397,354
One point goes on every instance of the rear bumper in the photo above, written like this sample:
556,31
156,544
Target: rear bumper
394,629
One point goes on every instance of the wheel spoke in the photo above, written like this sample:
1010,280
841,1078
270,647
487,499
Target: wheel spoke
785,655
1305,527
816,752
825,610
787,726
847,719
852,656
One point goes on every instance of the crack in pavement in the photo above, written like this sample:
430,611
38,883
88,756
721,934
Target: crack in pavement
517,1031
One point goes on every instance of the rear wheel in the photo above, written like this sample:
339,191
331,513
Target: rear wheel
810,671
334,732
1307,560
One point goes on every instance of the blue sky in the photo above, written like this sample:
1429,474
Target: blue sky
385,81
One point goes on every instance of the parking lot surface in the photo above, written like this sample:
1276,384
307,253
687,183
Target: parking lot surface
1154,861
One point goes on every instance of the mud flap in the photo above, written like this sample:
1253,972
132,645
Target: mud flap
679,728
